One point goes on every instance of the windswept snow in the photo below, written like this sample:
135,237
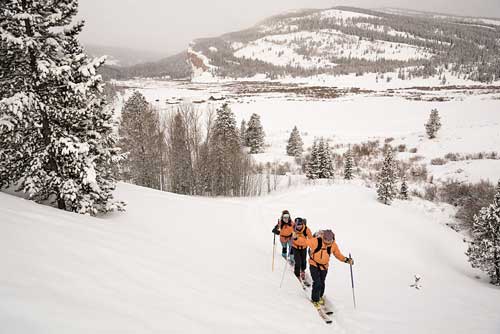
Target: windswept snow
193,265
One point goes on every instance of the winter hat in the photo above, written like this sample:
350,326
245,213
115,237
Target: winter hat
299,223
328,236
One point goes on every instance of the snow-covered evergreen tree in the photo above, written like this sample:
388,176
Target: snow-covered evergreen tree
225,154
403,191
326,161
320,162
348,165
433,124
140,141
295,146
313,165
255,135
484,248
386,182
243,133
56,133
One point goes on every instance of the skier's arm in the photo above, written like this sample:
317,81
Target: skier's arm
337,253
312,243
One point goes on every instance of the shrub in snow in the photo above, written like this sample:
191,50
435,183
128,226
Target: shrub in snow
56,132
295,146
433,124
438,162
386,179
255,135
484,248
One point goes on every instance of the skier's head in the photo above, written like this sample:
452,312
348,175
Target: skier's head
299,224
285,216
328,236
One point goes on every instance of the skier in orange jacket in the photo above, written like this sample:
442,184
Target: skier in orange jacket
284,229
322,245
299,247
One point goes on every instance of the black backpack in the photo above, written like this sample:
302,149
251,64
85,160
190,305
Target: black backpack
320,245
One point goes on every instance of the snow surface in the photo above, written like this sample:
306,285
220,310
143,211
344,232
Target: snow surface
180,264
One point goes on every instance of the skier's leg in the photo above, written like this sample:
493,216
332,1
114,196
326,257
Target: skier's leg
316,288
290,249
303,260
296,255
284,246
322,274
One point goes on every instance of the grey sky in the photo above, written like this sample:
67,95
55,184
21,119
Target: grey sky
167,26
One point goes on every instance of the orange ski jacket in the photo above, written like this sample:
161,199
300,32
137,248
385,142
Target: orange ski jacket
321,258
300,237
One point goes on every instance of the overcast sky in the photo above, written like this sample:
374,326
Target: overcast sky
167,26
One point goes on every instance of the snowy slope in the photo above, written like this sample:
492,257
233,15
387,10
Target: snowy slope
193,265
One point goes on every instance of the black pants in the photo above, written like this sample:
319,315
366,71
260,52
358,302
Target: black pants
318,277
300,257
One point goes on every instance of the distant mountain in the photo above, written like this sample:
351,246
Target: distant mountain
342,40
118,56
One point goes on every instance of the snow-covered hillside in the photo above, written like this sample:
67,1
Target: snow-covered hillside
344,40
194,265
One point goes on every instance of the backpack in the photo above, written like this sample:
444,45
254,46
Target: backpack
318,248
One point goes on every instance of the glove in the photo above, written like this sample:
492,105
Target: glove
276,230
349,260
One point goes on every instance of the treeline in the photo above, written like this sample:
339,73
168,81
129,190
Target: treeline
189,151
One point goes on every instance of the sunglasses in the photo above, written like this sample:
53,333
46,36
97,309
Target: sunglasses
287,216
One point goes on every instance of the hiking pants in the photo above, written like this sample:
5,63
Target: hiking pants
300,257
318,277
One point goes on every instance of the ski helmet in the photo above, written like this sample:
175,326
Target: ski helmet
299,223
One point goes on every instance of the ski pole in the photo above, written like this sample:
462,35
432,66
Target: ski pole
352,282
274,249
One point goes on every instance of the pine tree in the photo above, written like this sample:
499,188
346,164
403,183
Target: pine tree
313,166
403,191
387,178
225,154
56,133
243,133
433,124
295,146
139,140
484,248
255,134
181,168
348,165
326,161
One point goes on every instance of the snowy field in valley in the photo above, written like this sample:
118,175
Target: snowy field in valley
180,264
471,121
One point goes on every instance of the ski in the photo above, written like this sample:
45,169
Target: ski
323,315
327,307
